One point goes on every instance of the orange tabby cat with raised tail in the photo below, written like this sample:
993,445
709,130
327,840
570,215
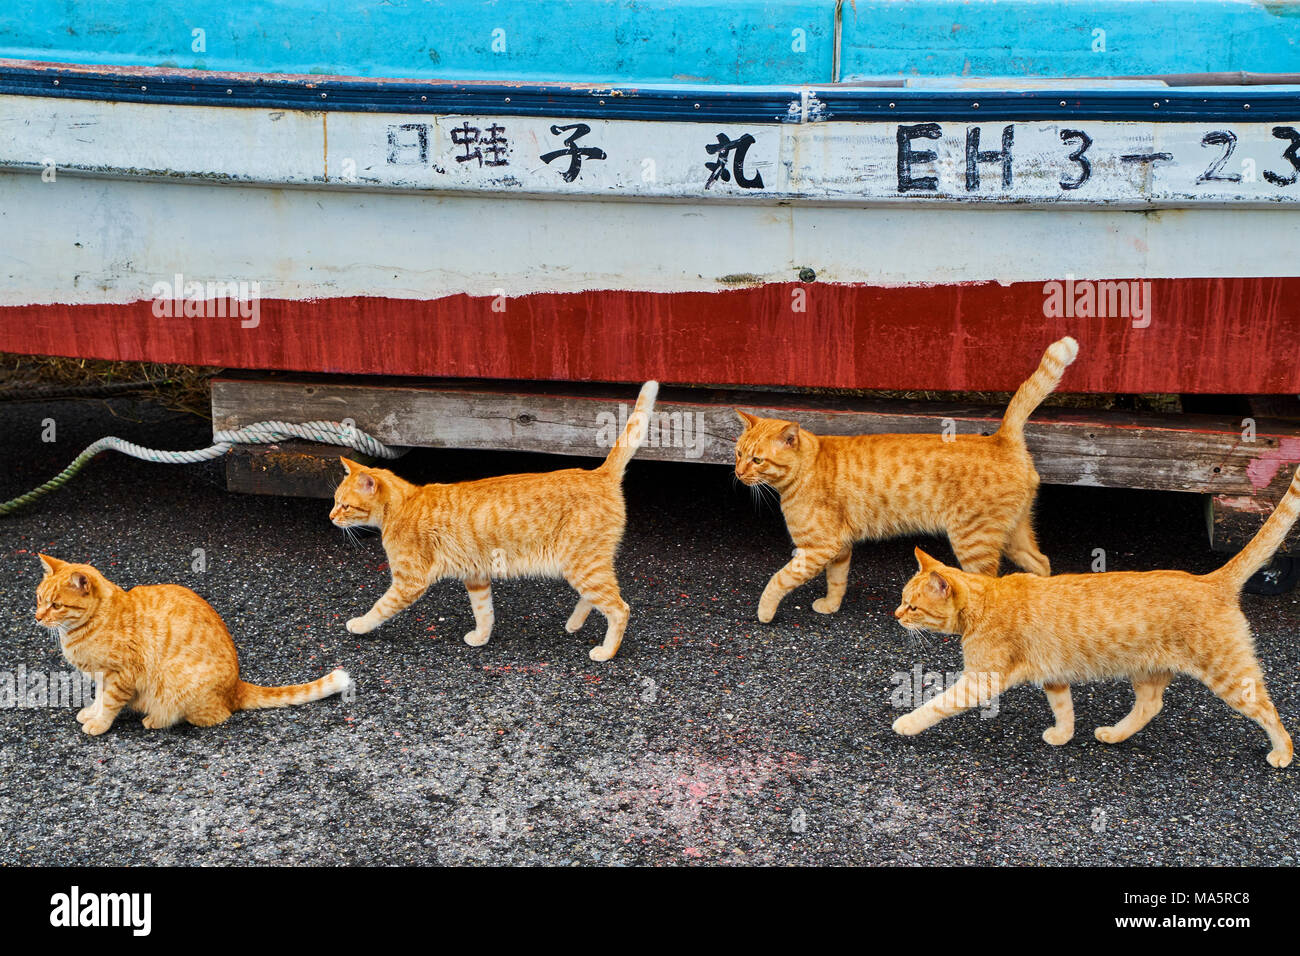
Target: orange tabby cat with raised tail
836,490
159,649
1146,626
565,524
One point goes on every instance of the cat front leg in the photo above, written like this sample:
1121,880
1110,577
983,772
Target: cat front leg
114,693
480,598
837,582
1058,695
806,564
969,691
405,590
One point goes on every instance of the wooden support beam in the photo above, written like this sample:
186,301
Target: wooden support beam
299,469
1245,471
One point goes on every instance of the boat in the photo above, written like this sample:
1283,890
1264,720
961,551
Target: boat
533,204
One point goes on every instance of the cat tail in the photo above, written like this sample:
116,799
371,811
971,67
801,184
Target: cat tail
254,697
1038,386
1268,539
634,435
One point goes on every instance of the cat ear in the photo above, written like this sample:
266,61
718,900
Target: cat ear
349,465
79,582
367,484
938,585
923,559
51,564
790,434
749,420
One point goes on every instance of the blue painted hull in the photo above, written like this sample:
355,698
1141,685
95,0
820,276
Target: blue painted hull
644,41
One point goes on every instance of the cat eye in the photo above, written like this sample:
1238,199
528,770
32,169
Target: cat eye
55,605
757,460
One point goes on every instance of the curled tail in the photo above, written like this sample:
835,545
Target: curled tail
634,435
1038,386
254,697
1268,539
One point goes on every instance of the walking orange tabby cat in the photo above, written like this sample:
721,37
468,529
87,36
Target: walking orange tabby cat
566,523
836,490
1146,626
159,649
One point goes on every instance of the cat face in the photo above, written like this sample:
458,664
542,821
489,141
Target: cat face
930,599
767,450
356,499
67,596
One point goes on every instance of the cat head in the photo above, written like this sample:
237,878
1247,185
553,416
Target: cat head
359,499
933,599
68,595
767,451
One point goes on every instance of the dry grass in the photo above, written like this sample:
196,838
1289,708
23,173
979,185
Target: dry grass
183,388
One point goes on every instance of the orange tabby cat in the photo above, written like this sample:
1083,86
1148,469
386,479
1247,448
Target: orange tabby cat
565,523
836,490
158,649
1146,626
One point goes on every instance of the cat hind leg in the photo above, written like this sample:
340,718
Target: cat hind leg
579,616
208,714
598,586
978,548
1022,548
1242,689
1148,694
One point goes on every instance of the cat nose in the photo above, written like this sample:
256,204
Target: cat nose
898,611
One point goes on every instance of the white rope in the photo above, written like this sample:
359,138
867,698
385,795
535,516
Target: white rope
262,433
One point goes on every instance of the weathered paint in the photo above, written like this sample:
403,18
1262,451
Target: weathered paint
739,41
105,240
1039,163
1050,38
1209,335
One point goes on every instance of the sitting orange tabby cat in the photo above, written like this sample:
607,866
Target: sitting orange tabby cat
565,523
1146,626
159,649
836,490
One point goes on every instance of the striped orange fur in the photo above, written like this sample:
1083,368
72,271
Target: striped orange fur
1145,626
158,649
565,524
836,490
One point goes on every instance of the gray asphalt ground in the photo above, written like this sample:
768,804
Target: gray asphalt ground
710,738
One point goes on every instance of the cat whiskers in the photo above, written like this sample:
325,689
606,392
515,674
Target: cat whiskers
917,635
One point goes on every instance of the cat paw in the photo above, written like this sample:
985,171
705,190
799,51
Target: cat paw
474,639
359,625
825,606
599,653
85,714
1279,757
1058,735
1108,735
96,726
154,723
908,725
765,613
